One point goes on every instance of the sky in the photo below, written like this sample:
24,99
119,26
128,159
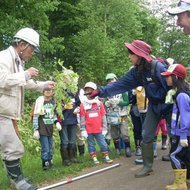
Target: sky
160,6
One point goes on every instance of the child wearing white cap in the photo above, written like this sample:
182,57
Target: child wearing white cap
93,124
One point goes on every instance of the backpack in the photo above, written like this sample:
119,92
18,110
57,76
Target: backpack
153,68
166,62
141,99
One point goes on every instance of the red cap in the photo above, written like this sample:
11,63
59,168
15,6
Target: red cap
176,69
140,48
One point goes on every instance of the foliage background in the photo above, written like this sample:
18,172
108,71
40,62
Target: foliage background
89,36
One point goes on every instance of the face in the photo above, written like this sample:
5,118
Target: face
88,91
135,59
111,80
183,21
169,80
25,51
48,93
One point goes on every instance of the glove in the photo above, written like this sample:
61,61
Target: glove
94,94
36,135
184,142
58,126
76,110
104,132
84,134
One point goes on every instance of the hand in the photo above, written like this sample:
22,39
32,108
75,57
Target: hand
184,142
84,134
36,135
50,84
94,94
76,110
33,72
104,132
58,126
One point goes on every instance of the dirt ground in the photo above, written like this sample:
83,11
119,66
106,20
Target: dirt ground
122,176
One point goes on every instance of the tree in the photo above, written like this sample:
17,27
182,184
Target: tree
100,46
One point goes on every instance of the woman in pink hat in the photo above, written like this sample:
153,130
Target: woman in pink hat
180,125
141,74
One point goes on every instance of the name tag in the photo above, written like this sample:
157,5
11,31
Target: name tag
149,79
93,114
174,116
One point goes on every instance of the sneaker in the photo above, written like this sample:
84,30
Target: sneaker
164,146
138,151
46,165
95,160
139,161
117,152
155,154
107,160
128,152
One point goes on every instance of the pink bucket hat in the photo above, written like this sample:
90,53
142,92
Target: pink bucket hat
176,69
140,48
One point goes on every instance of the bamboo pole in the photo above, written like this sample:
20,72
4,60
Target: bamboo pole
70,180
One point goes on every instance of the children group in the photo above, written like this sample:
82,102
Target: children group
99,113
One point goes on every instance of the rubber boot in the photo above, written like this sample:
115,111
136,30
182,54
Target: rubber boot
94,157
188,182
16,177
73,155
117,147
179,180
138,151
106,158
147,155
108,141
128,149
164,139
155,149
81,149
65,157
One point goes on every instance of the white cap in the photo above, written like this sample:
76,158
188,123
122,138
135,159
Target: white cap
90,85
183,5
29,35
170,61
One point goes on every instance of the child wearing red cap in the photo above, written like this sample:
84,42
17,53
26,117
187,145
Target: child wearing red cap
180,125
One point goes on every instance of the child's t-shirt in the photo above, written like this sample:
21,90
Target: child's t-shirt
46,121
93,117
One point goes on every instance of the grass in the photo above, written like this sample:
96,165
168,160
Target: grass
32,167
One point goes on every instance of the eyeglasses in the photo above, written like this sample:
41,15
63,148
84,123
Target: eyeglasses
88,93
181,2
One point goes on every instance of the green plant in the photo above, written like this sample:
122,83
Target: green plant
66,83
